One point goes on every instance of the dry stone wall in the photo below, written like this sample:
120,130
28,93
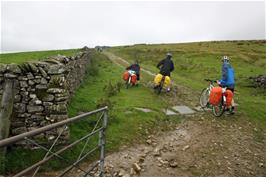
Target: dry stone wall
42,90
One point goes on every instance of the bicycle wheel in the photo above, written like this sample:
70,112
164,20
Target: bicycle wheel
158,90
219,109
160,87
128,82
204,98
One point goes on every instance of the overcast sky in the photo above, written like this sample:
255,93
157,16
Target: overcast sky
27,26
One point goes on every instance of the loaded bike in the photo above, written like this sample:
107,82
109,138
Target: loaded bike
214,98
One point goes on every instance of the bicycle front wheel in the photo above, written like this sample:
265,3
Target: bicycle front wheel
128,82
219,109
204,98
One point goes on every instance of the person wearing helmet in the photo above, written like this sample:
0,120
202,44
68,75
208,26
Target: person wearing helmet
135,67
228,78
166,65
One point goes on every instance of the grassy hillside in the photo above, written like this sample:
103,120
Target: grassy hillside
196,61
102,86
28,56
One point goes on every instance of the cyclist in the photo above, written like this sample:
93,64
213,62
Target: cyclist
228,81
135,67
166,66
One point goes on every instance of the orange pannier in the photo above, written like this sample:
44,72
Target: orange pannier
133,78
125,75
229,97
215,96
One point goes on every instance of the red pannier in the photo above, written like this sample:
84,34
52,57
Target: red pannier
229,97
125,76
133,78
215,96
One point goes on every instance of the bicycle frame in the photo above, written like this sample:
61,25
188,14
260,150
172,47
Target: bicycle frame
131,73
210,87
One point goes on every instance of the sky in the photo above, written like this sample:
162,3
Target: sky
47,25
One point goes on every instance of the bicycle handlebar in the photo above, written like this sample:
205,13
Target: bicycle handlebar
209,80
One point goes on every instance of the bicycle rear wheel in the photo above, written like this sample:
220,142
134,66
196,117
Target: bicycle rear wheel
204,98
160,87
219,109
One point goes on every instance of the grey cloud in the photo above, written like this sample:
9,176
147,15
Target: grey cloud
54,25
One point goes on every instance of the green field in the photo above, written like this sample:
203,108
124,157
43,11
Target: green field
102,86
196,61
37,55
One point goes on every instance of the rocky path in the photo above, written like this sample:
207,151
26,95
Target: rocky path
200,146
197,147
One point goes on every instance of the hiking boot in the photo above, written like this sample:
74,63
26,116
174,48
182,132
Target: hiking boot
232,110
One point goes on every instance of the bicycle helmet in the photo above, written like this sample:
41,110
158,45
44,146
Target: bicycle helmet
225,59
169,54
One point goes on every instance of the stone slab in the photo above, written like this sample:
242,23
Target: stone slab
168,112
198,108
144,109
183,109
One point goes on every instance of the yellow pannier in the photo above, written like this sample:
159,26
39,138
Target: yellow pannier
158,78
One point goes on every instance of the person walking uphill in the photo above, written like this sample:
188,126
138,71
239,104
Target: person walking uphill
166,66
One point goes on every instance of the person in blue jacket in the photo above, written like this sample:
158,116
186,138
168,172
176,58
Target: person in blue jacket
228,76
